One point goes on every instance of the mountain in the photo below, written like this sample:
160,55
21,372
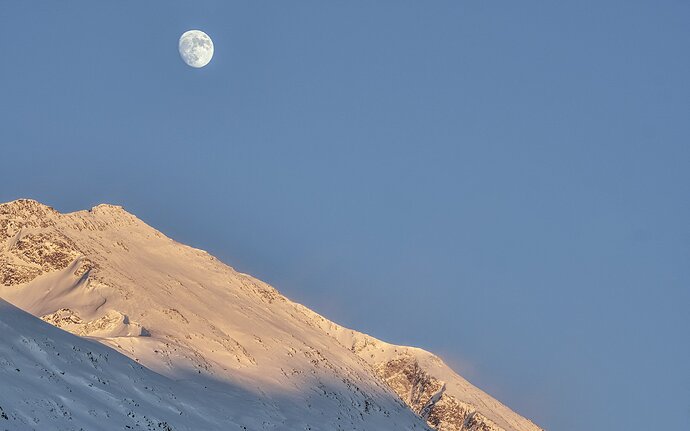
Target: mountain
54,380
208,347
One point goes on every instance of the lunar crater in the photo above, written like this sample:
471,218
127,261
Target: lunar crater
196,48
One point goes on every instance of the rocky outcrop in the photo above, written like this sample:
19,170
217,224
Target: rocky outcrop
32,244
426,395
444,399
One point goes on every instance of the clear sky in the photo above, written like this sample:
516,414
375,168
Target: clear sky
504,183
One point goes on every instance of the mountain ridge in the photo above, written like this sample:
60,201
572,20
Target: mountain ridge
106,274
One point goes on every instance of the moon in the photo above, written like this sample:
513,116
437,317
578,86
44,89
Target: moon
196,48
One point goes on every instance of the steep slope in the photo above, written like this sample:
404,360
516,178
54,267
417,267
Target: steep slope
180,312
51,379
429,387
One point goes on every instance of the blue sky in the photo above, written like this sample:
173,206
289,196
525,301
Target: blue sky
504,183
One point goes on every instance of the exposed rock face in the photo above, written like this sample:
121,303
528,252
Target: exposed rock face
27,233
417,388
426,396
105,274
427,385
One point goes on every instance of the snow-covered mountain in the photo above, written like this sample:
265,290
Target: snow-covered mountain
164,335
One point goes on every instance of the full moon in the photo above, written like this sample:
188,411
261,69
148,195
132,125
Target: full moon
196,48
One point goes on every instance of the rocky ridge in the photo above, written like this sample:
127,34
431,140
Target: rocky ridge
105,274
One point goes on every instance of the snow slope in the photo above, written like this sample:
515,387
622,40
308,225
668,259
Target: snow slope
181,313
51,379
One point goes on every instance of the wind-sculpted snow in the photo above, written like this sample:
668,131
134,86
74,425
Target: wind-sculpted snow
181,313
52,380
112,324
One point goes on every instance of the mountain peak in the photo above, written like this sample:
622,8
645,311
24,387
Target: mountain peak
25,207
116,212
109,208
105,274
28,213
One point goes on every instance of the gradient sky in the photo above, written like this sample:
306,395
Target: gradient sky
504,183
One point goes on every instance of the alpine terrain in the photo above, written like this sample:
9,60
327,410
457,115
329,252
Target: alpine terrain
107,324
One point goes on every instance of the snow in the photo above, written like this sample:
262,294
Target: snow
222,347
52,379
